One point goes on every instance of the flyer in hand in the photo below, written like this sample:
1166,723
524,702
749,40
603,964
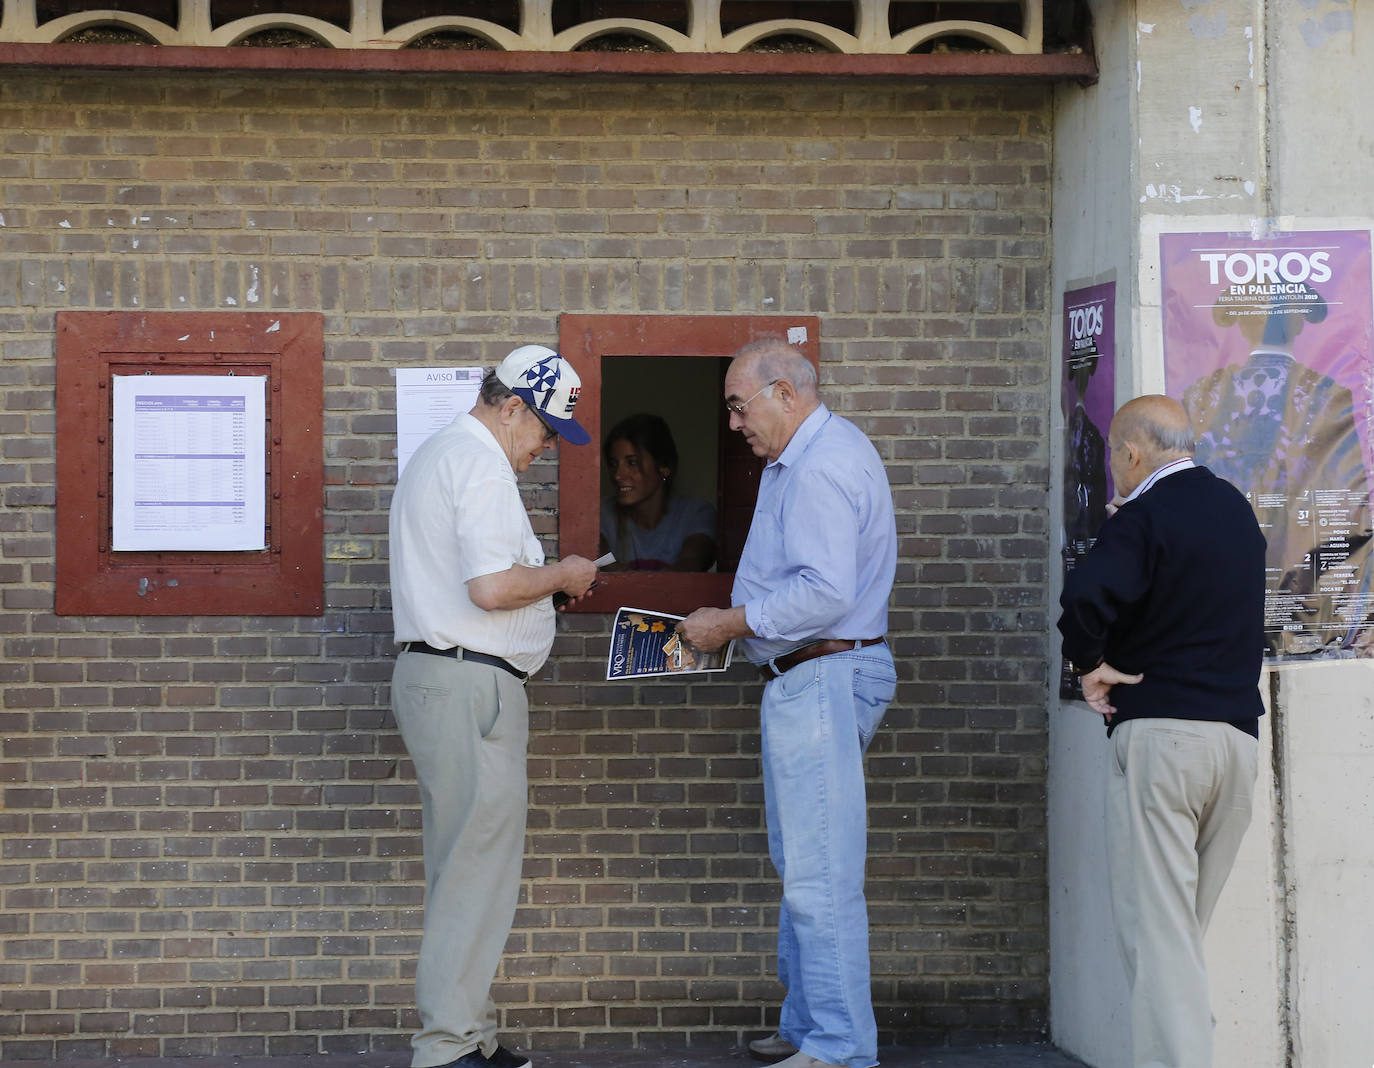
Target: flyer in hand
645,644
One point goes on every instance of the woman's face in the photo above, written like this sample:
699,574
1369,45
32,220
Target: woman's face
634,475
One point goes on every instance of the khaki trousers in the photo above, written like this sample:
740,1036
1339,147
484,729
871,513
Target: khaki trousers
465,726
1178,803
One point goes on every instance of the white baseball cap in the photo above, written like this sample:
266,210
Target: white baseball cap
548,384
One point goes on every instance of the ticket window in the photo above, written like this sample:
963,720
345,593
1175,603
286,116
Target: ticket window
672,367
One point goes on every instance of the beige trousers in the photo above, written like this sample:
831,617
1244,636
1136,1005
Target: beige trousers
465,726
1178,803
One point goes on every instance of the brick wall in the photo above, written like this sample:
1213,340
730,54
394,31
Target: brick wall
209,829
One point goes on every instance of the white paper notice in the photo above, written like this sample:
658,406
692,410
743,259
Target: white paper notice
189,464
427,399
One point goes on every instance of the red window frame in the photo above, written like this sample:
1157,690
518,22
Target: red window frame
584,340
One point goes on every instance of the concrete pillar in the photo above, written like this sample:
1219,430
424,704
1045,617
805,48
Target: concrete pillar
1222,115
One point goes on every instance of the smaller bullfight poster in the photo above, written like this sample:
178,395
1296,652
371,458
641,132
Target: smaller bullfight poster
1089,376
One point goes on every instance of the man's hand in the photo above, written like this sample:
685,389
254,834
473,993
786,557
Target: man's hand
518,585
576,574
1115,503
1098,683
708,629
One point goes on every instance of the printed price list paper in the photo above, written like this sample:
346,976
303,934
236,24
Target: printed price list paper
189,463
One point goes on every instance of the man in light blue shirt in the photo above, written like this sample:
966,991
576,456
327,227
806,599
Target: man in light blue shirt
809,607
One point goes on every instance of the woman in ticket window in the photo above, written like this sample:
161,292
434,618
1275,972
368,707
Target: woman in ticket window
646,524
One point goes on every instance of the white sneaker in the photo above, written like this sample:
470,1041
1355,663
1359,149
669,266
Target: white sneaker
772,1048
804,1060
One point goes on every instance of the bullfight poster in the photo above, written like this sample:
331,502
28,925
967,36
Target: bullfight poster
1089,377
1267,345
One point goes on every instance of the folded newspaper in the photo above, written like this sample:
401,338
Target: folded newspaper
646,643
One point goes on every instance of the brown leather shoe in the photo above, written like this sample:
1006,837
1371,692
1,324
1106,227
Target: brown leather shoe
772,1048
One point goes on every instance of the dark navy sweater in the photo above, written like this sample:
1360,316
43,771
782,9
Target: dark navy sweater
1174,589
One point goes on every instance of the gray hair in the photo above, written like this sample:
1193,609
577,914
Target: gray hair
774,360
493,391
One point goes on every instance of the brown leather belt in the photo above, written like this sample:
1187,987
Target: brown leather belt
824,647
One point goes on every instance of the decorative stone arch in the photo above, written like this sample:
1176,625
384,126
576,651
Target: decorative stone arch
231,33
66,25
409,32
670,40
998,38
835,40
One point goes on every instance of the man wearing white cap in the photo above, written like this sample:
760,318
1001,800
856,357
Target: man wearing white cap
473,613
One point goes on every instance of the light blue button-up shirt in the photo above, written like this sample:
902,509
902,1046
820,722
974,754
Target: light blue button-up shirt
822,549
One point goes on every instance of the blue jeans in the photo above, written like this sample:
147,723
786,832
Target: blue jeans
818,719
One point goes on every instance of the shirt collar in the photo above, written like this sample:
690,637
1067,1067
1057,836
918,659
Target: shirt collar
479,430
801,437
1173,467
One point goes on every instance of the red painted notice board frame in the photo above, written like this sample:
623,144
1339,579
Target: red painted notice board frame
286,578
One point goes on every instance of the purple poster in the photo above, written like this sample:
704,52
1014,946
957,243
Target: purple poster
1267,344
1089,398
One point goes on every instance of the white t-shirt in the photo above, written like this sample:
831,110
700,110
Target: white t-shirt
658,549
457,514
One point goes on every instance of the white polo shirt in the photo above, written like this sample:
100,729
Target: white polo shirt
457,514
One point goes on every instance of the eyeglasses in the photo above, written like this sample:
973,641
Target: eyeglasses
550,434
738,409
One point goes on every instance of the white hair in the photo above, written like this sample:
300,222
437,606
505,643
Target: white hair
774,360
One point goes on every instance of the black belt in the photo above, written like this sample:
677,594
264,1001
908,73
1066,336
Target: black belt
457,652
825,647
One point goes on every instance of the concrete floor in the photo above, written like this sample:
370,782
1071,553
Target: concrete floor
1020,1056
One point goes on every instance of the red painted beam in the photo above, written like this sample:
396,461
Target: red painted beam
1056,67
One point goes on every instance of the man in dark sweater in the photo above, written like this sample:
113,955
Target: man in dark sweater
1163,619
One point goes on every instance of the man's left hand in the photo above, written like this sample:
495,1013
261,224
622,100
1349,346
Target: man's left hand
1097,686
